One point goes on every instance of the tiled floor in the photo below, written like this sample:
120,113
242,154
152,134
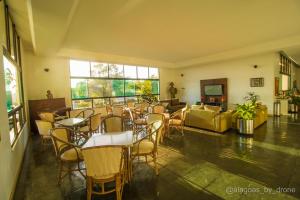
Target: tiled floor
199,165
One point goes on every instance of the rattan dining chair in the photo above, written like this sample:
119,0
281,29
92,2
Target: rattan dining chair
44,128
104,165
83,113
67,153
147,145
177,120
118,111
158,109
101,110
113,124
136,121
93,125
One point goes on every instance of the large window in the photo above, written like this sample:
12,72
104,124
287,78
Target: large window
94,84
14,101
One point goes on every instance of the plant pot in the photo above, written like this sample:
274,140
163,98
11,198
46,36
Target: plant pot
246,126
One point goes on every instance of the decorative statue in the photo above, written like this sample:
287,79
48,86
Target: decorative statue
172,90
49,94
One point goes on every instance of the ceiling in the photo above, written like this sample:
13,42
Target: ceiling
170,33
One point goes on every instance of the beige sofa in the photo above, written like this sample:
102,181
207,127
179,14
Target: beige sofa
261,116
208,117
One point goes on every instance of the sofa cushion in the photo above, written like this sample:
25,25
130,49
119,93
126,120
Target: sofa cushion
212,108
197,107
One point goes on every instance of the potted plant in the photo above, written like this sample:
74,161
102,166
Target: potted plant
246,114
252,97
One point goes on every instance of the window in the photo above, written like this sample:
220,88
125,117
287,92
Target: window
142,72
14,101
129,71
95,84
115,71
80,68
99,69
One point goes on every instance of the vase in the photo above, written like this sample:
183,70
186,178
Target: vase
246,126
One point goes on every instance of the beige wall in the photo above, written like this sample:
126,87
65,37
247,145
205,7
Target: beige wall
238,72
10,158
58,78
38,81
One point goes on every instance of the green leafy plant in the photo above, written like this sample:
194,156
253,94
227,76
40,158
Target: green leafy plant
252,97
295,100
246,110
146,92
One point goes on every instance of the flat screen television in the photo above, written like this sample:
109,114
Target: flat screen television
213,90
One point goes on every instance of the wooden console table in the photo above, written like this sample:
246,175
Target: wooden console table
43,105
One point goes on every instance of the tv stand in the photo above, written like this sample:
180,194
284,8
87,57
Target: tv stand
214,100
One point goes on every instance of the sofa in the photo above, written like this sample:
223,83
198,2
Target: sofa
261,116
209,118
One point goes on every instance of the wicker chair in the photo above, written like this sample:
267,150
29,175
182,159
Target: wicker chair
93,125
147,145
177,120
158,109
104,165
118,111
101,110
67,152
44,128
83,113
113,124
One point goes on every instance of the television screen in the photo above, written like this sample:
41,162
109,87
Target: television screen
213,90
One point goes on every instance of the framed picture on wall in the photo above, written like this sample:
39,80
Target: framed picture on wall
257,82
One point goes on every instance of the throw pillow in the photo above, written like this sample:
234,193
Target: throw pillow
213,108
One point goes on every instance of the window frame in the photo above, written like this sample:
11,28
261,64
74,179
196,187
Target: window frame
124,79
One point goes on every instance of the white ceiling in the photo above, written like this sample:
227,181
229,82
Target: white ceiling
173,33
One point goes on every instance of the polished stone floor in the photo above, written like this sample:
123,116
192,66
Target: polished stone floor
199,165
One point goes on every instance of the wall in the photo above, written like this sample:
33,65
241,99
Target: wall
58,78
38,81
238,72
10,158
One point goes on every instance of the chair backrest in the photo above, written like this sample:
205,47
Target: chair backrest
158,109
60,138
44,127
47,116
102,110
103,161
88,113
113,124
130,104
183,114
95,122
76,113
117,110
156,131
152,117
109,109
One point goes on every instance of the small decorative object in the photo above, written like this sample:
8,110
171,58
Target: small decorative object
211,99
49,94
257,82
252,97
172,90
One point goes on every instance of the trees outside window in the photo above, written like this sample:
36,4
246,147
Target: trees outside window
95,84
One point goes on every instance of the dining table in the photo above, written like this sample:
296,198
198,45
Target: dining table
71,123
125,139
